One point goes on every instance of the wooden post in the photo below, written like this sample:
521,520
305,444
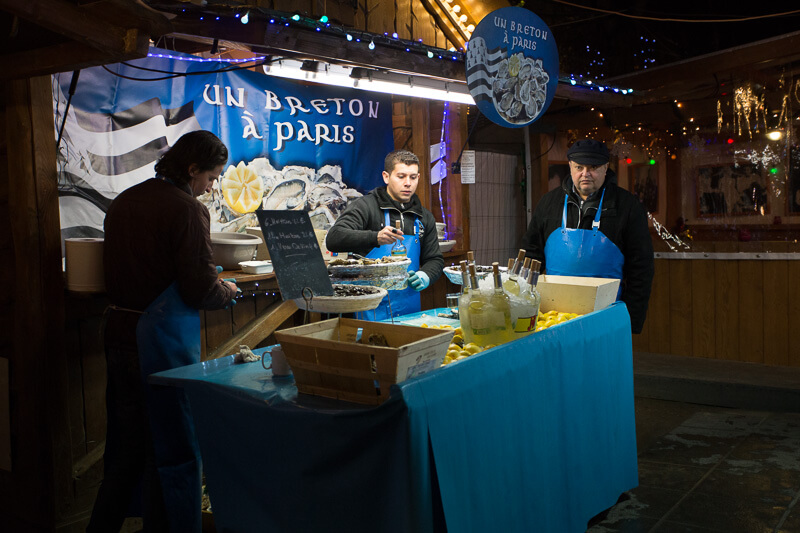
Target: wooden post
40,484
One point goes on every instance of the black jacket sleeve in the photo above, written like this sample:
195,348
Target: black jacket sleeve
353,230
639,269
431,260
539,230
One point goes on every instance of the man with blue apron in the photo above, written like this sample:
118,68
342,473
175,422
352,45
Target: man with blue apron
368,227
590,227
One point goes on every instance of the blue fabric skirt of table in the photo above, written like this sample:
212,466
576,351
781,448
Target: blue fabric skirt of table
537,435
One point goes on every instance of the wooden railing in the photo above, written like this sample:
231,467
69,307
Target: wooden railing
734,301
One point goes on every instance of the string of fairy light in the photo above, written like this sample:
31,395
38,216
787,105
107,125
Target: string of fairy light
749,115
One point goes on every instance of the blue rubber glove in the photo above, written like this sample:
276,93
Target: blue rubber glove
418,280
219,269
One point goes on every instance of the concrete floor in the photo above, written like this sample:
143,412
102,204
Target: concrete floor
718,446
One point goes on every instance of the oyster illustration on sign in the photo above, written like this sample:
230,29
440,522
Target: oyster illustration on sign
289,194
519,88
321,192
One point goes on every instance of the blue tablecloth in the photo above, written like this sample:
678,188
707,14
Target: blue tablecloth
535,435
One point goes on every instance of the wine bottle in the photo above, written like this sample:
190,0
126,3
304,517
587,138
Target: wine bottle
463,304
511,285
479,316
500,310
399,248
523,272
525,324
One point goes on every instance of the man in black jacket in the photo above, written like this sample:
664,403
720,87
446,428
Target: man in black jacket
367,227
570,237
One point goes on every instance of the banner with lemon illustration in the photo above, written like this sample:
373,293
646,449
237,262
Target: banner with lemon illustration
291,145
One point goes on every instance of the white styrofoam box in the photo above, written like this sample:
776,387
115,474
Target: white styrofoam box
573,294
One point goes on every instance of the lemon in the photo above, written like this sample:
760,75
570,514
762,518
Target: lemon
242,188
458,339
472,348
458,331
476,305
513,65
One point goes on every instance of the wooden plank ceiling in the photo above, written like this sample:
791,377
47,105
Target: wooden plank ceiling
49,36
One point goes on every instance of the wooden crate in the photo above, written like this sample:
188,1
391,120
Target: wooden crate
332,358
572,294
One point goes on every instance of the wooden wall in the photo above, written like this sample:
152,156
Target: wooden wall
36,488
739,310
409,18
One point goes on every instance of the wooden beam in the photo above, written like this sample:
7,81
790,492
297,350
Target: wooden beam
293,41
444,23
257,329
75,23
42,463
64,57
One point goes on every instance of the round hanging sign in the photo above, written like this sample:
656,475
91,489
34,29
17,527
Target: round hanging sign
512,66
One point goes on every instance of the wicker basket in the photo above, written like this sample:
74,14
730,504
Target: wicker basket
329,359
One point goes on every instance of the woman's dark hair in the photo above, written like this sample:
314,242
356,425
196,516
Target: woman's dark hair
201,148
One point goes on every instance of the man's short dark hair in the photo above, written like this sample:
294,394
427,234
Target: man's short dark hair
399,156
200,147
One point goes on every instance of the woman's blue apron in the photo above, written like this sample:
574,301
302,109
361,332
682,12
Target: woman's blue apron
583,252
168,335
405,300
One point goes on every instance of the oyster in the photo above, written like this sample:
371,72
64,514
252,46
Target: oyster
519,88
289,194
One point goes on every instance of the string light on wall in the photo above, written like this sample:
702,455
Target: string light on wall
459,18
589,84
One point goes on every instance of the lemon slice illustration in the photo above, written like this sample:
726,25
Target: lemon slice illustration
242,188
513,65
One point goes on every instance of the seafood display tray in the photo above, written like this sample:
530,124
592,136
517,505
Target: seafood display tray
390,283
454,273
375,270
342,304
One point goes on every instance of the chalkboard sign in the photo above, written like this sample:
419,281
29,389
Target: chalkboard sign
295,253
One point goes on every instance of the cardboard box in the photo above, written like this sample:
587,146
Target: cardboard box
572,294
333,358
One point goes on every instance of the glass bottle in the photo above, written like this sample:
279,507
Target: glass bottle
399,248
525,324
463,304
511,285
479,315
500,309
523,272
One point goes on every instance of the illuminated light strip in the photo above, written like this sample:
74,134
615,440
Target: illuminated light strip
454,18
207,59
415,86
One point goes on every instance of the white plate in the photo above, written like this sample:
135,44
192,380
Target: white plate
446,246
256,267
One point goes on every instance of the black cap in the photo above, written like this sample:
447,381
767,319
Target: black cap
588,152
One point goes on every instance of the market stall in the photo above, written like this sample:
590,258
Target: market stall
534,435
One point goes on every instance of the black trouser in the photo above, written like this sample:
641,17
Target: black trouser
129,459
